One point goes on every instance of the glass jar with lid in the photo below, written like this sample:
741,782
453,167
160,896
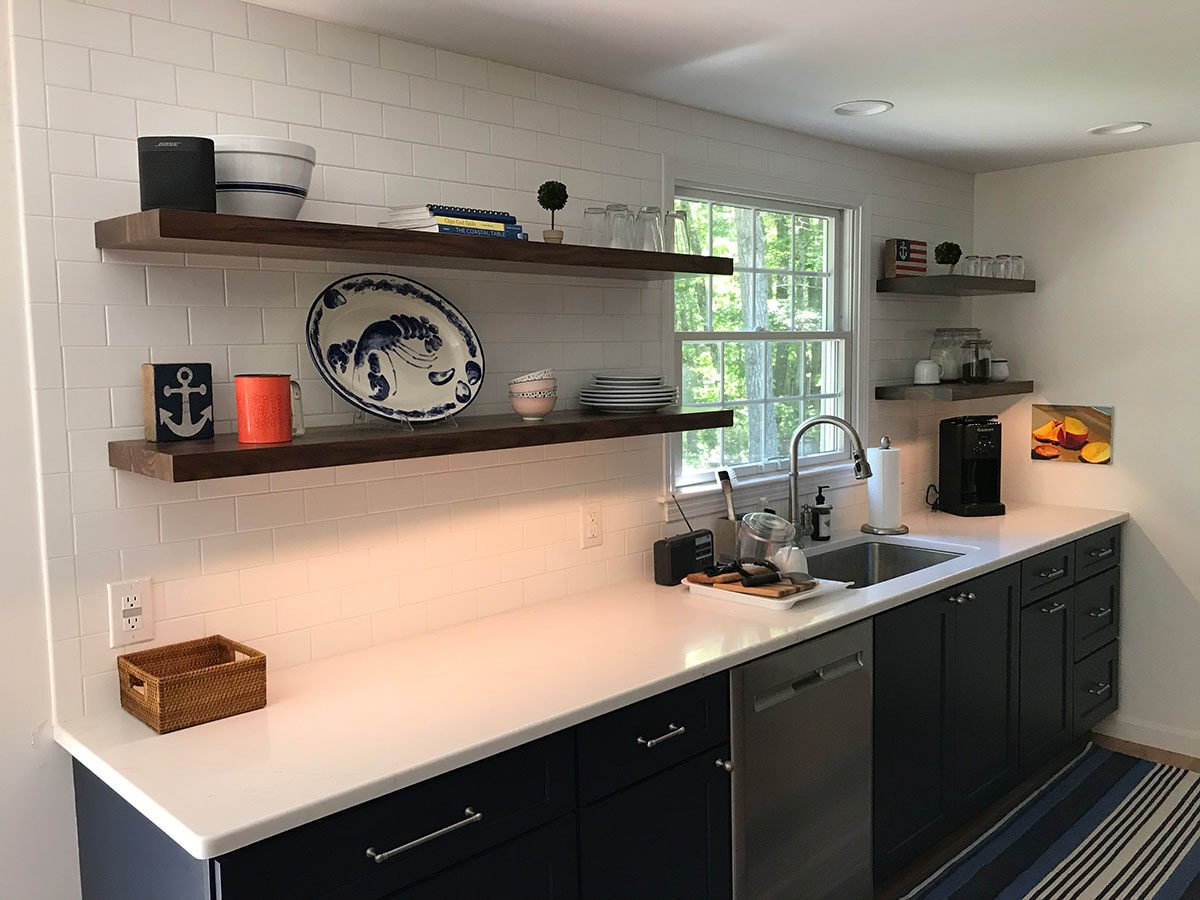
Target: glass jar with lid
946,350
762,534
976,360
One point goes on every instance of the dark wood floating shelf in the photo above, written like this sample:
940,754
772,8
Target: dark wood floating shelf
950,390
955,285
178,231
223,456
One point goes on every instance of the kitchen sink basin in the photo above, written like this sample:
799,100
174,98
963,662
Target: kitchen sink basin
871,562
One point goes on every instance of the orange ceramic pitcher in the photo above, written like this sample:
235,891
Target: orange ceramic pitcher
264,408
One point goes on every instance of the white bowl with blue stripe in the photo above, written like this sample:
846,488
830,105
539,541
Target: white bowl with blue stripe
262,176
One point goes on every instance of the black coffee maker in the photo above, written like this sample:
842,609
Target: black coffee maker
969,466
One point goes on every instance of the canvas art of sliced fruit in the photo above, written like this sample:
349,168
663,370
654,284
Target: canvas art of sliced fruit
1072,433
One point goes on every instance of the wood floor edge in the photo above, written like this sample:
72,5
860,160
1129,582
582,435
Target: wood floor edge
1146,752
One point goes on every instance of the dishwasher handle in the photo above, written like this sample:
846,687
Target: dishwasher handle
824,674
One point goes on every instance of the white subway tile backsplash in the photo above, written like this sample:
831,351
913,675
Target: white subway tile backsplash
402,56
163,118
285,29
286,103
225,325
436,96
303,560
216,91
351,114
243,623
248,59
85,26
115,529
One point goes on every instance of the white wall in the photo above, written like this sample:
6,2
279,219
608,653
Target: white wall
1115,321
312,563
37,821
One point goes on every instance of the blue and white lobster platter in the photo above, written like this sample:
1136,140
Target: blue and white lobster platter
395,348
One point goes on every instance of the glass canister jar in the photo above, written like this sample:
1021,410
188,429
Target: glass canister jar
762,534
977,360
946,350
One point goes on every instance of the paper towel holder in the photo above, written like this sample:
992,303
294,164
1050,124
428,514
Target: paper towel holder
885,444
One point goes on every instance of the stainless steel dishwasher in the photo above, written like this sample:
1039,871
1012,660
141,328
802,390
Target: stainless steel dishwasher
802,771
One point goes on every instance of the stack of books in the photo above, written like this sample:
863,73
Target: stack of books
455,220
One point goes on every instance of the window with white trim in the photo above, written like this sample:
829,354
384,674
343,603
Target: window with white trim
773,341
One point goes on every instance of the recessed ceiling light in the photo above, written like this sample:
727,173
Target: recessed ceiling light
863,107
1119,128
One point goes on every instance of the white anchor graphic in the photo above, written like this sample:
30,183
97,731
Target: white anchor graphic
186,427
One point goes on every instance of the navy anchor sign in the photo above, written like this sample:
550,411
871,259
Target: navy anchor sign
177,401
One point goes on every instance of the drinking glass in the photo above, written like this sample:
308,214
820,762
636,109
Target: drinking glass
970,265
681,233
987,267
1003,266
648,233
593,226
618,228
1016,266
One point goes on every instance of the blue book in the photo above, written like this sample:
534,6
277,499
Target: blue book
485,215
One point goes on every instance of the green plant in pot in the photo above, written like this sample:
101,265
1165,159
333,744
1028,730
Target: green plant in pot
552,195
947,253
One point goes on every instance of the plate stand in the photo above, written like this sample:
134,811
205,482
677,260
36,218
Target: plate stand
362,420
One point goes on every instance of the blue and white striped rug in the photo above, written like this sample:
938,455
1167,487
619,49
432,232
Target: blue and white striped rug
1107,826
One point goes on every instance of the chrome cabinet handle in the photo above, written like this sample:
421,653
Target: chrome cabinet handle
971,596
1101,553
1101,689
1051,574
1102,613
651,743
725,764
471,818
962,598
1056,608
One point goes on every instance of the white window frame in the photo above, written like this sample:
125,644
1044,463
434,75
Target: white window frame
852,287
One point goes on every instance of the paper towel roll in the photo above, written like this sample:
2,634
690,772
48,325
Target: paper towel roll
883,487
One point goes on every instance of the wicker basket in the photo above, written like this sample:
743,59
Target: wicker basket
192,682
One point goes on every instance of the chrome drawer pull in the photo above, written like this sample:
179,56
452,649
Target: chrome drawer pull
471,818
1056,608
1101,553
725,764
1102,613
650,744
1051,574
962,598
1101,689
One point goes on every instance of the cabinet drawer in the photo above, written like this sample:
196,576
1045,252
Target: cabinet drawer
1095,688
1047,572
1096,612
627,745
1097,552
433,825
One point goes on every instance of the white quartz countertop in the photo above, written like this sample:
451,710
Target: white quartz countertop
344,730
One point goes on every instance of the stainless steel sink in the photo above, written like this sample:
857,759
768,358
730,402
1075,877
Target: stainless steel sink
874,561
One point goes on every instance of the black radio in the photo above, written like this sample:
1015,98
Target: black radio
677,557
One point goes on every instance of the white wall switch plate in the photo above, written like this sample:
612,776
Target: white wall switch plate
591,525
130,612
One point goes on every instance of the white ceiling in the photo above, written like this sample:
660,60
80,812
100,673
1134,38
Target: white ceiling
977,85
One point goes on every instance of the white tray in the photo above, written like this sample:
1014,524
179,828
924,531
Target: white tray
823,587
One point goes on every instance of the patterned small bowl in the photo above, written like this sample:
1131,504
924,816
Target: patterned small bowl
539,375
535,408
541,384
551,392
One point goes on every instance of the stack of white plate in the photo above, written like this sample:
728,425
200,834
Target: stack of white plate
628,393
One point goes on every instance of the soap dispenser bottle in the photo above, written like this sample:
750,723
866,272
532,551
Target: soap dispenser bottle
822,516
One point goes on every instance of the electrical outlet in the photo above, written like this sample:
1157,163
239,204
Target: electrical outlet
591,525
130,612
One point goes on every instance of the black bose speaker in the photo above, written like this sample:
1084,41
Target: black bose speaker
177,173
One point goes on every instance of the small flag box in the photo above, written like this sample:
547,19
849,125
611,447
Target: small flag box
904,258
